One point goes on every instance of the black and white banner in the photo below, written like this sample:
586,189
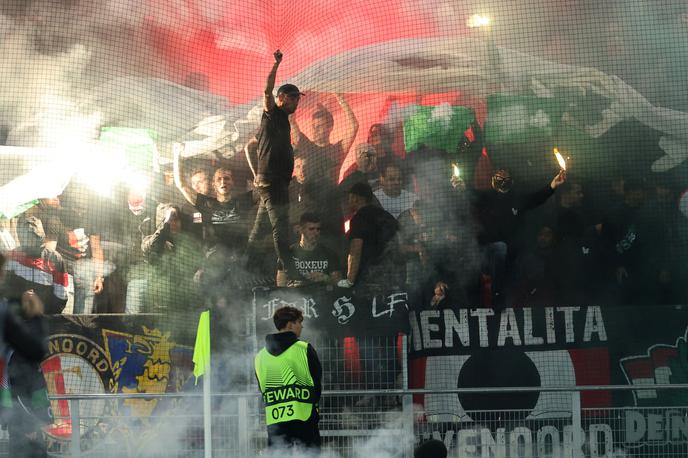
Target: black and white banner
336,312
540,347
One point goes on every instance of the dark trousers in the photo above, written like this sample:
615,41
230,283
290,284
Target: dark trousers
297,434
494,263
274,208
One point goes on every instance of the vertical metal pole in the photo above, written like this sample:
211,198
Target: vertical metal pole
207,415
242,429
75,417
407,399
253,326
577,424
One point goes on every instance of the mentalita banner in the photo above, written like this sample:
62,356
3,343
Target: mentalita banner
552,347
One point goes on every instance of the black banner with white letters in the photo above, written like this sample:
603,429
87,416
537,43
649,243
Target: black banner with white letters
336,312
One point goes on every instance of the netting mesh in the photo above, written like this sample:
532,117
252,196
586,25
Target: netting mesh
99,99
514,154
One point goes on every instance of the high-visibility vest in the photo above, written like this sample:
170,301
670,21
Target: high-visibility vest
286,384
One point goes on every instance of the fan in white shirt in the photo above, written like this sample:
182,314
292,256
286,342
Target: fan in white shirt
391,196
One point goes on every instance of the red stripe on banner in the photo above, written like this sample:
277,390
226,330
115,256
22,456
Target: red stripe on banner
41,264
592,368
482,177
352,358
486,290
417,378
662,355
61,278
469,134
52,370
400,348
639,368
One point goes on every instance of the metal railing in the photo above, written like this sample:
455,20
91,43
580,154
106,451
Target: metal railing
350,426
367,409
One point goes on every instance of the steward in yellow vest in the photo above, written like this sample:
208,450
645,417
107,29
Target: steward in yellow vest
289,376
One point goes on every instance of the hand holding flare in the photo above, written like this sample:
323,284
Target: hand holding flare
561,176
456,180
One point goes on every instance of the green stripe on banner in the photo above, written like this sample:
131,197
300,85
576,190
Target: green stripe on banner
18,210
439,127
521,118
5,398
139,145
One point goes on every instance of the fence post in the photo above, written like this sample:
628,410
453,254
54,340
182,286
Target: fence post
75,418
207,414
407,399
577,424
242,429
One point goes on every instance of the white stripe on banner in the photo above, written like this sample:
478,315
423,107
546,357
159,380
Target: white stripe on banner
30,273
48,173
556,369
442,372
60,291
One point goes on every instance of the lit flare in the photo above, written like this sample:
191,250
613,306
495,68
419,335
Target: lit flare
560,159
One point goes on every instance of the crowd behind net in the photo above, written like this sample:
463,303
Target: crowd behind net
114,112
526,153
425,101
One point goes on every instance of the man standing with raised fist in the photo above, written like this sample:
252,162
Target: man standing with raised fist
275,167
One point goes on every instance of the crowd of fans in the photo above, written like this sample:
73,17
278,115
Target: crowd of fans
381,227
397,220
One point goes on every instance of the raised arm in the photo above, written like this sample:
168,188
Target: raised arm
540,196
296,135
351,124
269,99
189,194
99,260
249,151
153,245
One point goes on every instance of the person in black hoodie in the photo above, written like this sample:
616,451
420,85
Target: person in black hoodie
30,405
17,340
498,212
291,389
373,242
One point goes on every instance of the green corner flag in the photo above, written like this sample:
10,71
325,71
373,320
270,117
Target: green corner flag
201,354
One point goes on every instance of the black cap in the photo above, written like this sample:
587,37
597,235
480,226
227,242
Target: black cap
362,190
289,89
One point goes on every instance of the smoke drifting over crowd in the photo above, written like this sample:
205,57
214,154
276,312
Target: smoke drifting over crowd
97,96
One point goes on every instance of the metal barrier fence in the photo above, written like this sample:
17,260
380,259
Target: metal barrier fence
367,410
375,423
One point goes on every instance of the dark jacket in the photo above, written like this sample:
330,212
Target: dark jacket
22,340
28,383
498,213
173,260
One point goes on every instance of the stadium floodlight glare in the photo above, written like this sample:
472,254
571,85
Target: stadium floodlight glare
478,20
